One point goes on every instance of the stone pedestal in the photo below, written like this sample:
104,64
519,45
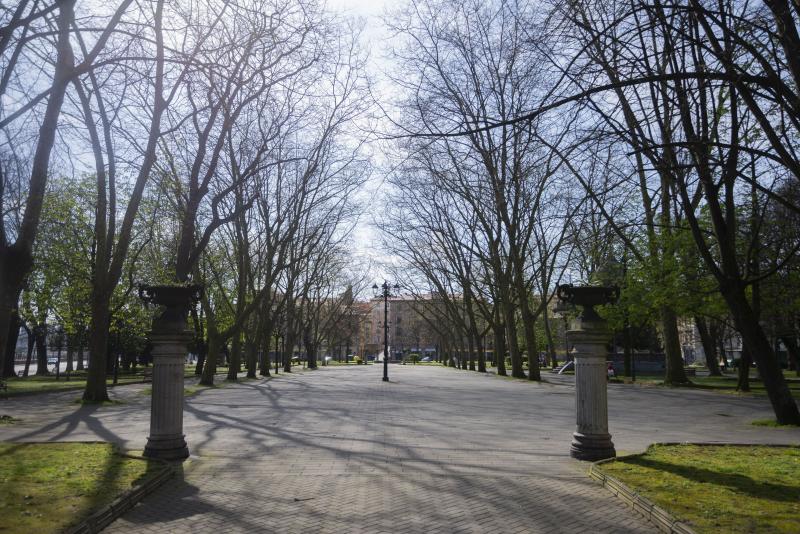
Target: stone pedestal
591,440
170,339
166,440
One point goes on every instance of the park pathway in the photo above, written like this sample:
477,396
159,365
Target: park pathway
434,450
337,450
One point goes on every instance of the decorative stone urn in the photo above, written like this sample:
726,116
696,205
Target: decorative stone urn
589,335
170,338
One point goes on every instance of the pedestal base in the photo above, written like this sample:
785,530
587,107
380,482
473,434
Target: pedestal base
592,447
166,448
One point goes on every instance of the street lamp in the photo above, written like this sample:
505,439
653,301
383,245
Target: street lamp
385,291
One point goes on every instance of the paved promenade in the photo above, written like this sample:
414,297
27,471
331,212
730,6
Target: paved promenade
434,450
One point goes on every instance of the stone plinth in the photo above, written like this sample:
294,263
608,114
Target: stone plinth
170,339
591,440
166,440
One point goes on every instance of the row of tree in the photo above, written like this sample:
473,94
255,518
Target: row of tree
649,145
210,142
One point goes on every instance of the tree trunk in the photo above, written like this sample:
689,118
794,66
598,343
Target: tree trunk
743,384
235,364
10,350
708,346
70,352
79,348
31,343
513,343
311,355
10,288
251,352
41,350
202,347
288,352
528,322
793,352
16,260
534,372
96,389
675,373
756,342
551,346
717,332
500,349
471,349
263,368
627,347
212,355
481,353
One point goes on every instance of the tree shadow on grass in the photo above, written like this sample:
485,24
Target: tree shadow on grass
736,482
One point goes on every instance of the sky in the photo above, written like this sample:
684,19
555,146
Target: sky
367,241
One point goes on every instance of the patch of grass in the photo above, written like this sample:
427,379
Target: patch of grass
77,380
724,384
8,420
720,488
771,423
46,487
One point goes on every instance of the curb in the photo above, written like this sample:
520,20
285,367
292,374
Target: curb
105,516
644,507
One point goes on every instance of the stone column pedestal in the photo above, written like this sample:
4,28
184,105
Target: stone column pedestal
166,440
170,339
591,440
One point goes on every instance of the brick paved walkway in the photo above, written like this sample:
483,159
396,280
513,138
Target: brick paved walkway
435,450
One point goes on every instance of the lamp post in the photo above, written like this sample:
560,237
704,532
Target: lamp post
385,291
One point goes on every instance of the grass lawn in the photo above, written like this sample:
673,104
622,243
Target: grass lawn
723,488
77,380
722,384
46,487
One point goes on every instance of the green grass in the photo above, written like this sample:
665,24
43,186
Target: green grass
46,487
721,384
724,488
772,423
44,384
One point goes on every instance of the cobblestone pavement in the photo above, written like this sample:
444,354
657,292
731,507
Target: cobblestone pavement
434,450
